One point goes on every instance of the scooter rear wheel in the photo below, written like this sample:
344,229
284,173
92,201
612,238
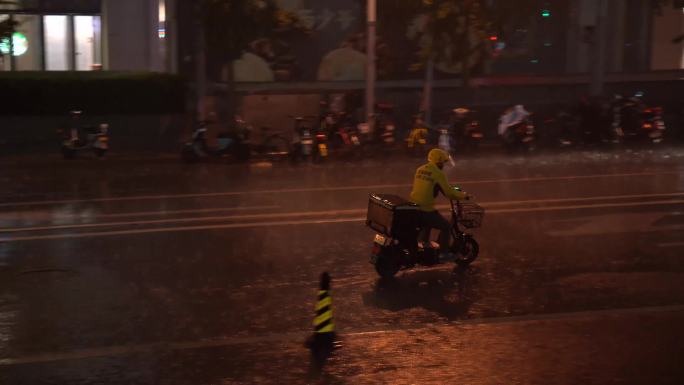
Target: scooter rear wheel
386,266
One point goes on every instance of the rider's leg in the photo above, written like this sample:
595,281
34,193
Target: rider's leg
424,236
436,221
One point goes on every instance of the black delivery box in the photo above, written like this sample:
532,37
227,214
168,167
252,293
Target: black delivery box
389,214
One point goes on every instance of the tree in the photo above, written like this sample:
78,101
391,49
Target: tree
7,26
226,27
450,33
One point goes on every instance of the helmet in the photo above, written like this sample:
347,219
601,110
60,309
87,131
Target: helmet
437,155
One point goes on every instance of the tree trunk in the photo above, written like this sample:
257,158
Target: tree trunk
200,65
465,42
231,95
427,90
599,54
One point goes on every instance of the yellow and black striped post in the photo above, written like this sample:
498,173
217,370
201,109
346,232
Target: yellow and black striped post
322,342
323,323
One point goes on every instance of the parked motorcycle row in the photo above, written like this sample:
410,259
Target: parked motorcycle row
310,139
337,134
622,120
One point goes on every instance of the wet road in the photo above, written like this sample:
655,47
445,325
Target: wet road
123,272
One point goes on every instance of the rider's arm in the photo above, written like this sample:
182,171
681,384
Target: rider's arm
448,190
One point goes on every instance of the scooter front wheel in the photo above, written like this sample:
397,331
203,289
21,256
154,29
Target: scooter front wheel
467,251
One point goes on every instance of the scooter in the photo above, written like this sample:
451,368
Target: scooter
305,144
384,125
234,145
521,136
321,145
417,141
634,122
396,245
465,129
445,141
96,139
346,136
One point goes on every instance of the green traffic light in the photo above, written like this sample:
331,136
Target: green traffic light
546,13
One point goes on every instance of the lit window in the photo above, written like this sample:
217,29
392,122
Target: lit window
56,43
86,39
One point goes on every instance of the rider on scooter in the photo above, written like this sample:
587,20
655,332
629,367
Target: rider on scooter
428,181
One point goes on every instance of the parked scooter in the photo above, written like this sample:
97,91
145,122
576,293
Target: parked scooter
517,130
445,141
396,245
88,138
308,143
418,139
385,127
633,121
562,130
466,132
321,145
232,144
345,137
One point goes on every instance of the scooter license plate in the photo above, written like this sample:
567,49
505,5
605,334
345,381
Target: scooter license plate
380,239
477,135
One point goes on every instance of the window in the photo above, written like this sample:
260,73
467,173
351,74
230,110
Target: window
86,42
47,37
27,43
56,43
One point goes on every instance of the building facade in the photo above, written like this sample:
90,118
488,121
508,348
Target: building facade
149,35
86,35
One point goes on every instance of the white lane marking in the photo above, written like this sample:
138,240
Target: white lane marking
179,229
44,215
305,222
307,213
125,350
616,224
193,211
670,244
573,207
184,220
580,199
323,189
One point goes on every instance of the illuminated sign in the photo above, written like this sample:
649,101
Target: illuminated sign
19,43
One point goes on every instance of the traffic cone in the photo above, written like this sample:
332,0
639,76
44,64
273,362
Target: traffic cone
322,342
323,323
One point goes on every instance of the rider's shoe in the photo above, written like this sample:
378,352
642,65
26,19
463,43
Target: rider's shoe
447,257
